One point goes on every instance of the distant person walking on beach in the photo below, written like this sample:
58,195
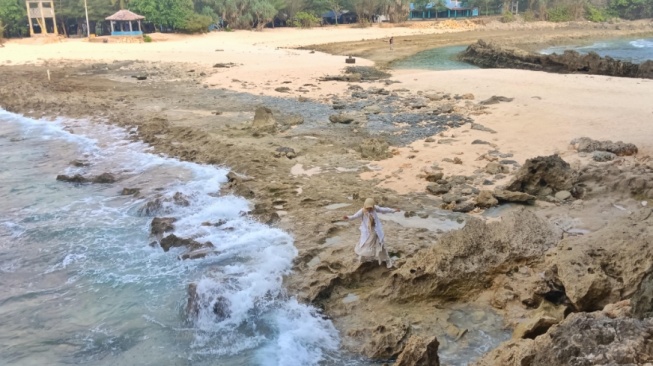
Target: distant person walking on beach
371,245
391,41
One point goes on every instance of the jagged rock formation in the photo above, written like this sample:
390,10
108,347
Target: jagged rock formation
490,55
465,261
581,339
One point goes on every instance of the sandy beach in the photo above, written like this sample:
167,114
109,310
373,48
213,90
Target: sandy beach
201,99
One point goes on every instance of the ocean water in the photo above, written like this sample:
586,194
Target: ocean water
80,284
443,58
632,50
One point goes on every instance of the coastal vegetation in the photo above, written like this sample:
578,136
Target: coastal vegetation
195,16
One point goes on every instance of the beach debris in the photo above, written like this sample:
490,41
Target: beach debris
350,60
619,148
480,127
419,351
496,99
224,65
283,151
282,89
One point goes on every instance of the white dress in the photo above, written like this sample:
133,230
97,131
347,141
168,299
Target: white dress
371,245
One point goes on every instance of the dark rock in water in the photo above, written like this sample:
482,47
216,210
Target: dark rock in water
543,172
161,225
77,178
180,199
80,163
104,178
419,352
130,191
220,305
488,55
586,144
197,254
173,241
642,300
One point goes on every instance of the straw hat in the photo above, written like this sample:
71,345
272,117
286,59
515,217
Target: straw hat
369,203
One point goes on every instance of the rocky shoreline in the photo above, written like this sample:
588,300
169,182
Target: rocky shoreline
299,162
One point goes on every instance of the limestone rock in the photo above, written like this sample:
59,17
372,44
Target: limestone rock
438,188
509,196
466,260
586,144
642,300
496,168
607,265
419,352
383,341
374,149
543,172
603,156
264,120
486,199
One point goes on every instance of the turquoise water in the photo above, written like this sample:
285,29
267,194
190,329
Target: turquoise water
632,50
443,58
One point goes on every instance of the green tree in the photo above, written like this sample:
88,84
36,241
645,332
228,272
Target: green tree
632,9
13,16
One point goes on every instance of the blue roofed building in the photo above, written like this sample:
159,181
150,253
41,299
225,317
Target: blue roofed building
443,9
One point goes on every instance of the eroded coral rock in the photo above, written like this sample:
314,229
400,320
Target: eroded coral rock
466,260
419,352
542,172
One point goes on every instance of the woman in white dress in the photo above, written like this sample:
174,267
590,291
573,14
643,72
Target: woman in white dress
371,245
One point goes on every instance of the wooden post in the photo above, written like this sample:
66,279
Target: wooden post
139,26
111,22
44,27
130,26
54,18
29,19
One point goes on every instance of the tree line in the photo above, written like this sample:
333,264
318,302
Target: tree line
192,16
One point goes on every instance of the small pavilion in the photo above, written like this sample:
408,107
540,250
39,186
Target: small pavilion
122,23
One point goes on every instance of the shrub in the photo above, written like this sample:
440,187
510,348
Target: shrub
305,20
559,14
508,17
196,23
146,38
529,16
596,15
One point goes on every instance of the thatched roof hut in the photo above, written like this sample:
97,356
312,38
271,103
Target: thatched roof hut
122,23
126,16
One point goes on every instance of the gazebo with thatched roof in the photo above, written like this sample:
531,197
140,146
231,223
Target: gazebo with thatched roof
122,23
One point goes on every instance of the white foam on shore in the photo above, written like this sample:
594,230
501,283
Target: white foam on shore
247,270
